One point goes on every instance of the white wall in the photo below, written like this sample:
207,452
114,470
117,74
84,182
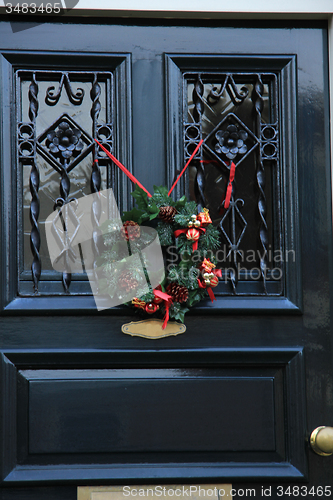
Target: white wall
213,6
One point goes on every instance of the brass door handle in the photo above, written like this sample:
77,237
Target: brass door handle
321,441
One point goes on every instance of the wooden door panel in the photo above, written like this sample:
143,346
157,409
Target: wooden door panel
223,406
236,396
138,415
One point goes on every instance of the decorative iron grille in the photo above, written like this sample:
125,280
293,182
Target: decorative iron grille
59,114
237,116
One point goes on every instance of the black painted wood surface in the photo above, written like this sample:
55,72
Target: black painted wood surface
275,361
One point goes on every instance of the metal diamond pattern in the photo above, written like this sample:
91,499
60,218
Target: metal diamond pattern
64,142
211,141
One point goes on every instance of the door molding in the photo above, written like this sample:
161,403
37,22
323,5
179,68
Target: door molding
277,374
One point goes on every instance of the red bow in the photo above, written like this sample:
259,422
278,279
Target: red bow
178,232
216,272
168,301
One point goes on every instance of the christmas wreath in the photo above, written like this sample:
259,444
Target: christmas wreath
185,233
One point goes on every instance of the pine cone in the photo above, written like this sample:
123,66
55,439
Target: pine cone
167,214
130,230
179,293
126,281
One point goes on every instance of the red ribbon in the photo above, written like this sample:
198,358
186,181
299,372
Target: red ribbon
229,188
217,272
178,232
123,168
168,301
187,164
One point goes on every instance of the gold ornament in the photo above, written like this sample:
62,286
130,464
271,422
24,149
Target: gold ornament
138,303
204,217
207,265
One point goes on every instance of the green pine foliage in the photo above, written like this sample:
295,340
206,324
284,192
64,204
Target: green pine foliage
148,297
182,220
184,245
186,272
161,198
189,208
210,240
165,233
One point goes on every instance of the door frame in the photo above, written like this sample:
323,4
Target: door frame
190,14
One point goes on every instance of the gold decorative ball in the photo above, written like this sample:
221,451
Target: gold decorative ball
197,223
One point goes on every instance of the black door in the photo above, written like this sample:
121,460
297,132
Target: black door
235,398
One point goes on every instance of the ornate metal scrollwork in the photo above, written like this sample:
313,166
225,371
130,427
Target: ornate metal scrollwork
33,100
64,139
269,147
231,142
52,97
258,102
221,108
35,234
192,143
102,132
233,238
27,150
95,95
64,144
59,203
230,86
26,141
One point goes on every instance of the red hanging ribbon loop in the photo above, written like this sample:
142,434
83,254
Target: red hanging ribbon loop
123,168
166,317
209,290
211,294
162,295
229,188
187,164
167,302
217,272
195,245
